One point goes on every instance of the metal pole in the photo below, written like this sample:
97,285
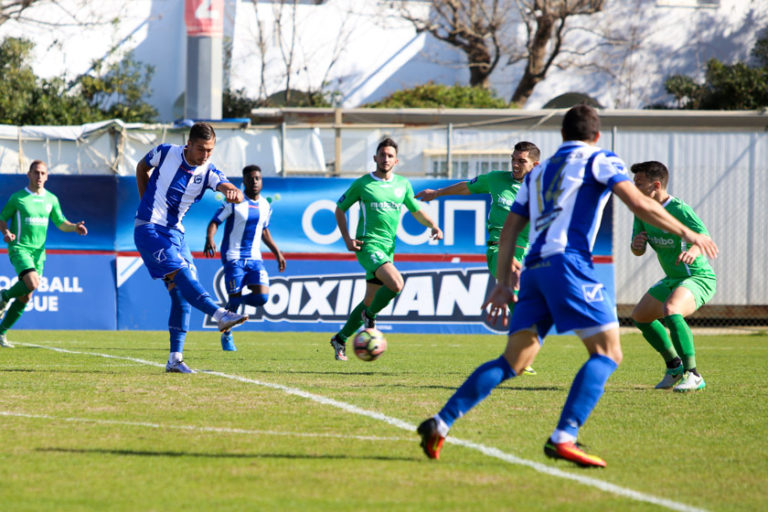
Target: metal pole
337,140
448,156
283,130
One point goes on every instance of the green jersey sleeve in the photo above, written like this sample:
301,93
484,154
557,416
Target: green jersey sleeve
9,209
479,184
409,200
57,216
637,228
351,196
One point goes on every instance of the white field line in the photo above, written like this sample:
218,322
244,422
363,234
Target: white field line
395,422
193,428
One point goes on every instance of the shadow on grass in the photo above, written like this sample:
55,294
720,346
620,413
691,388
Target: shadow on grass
150,453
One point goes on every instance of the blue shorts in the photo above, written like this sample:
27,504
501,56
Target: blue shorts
162,249
240,273
562,290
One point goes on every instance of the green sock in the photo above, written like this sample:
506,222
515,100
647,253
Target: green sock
383,296
682,338
354,322
657,336
13,314
17,290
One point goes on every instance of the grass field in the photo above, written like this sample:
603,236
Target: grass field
90,421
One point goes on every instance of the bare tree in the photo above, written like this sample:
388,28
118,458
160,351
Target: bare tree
472,26
545,23
295,55
479,27
10,9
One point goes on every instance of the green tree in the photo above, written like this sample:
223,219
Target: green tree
30,100
431,95
738,86
118,93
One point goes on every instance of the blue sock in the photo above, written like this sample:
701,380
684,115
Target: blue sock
478,386
234,303
256,299
178,321
194,292
586,390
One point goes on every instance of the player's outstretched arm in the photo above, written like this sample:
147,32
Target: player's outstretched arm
210,244
425,220
8,236
143,170
353,244
652,212
69,227
457,189
266,236
232,194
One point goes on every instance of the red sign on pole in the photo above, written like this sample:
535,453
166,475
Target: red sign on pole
204,17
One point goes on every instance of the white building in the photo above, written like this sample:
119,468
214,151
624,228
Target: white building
363,51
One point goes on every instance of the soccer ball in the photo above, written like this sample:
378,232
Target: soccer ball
369,344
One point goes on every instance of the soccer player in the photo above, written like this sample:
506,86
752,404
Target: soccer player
381,194
179,179
28,212
247,224
563,199
688,284
503,187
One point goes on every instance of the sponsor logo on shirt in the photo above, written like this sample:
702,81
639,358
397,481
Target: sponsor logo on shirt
36,221
385,205
662,242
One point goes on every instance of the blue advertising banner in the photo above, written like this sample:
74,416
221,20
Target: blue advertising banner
303,218
316,294
446,281
71,287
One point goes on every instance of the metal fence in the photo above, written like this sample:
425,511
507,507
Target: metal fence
718,163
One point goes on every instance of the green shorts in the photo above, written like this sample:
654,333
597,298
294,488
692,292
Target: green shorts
23,259
372,256
492,257
703,288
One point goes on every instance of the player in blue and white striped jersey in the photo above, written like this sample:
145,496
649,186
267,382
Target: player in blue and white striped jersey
563,200
180,178
246,225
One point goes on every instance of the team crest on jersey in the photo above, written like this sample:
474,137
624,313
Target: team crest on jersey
593,292
399,191
48,208
198,179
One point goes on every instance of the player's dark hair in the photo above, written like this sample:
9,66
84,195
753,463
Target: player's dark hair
248,169
201,131
35,163
531,148
581,123
653,170
388,142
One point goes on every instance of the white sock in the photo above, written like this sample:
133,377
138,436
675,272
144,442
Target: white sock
561,436
174,357
442,427
219,312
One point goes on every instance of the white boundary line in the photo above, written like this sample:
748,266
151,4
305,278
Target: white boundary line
193,428
395,422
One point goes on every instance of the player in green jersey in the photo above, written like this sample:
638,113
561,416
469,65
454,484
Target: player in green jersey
381,195
503,187
28,212
688,284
